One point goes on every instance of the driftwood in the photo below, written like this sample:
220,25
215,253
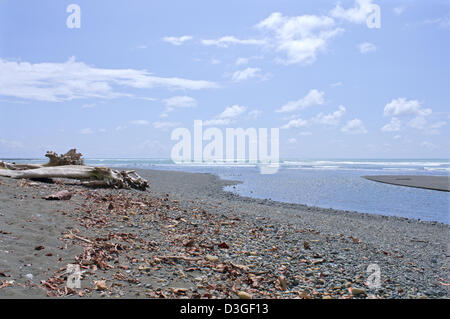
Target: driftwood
88,175
70,158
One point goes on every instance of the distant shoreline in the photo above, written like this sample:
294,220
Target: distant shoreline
437,183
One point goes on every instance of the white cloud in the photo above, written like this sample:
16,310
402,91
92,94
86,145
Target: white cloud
140,122
305,133
357,14
366,47
241,61
70,80
300,37
393,126
224,42
354,126
399,10
442,22
120,128
255,114
314,97
87,131
165,125
246,74
88,106
419,118
217,122
296,123
402,107
232,111
177,40
331,118
180,101
336,84
228,116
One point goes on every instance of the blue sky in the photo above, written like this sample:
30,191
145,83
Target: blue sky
135,70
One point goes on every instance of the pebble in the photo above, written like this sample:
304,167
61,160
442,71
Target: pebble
244,295
212,258
358,291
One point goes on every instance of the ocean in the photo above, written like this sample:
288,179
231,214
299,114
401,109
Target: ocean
328,183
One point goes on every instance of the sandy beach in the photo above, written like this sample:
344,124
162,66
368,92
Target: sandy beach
187,238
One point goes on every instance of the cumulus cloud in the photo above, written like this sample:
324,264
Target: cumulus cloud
366,47
246,74
356,14
87,131
442,22
355,126
241,61
140,122
300,38
417,116
55,82
295,123
331,118
226,41
177,40
255,114
393,126
180,101
399,10
402,106
314,97
228,116
165,125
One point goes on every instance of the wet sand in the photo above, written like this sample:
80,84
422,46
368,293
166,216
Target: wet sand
439,183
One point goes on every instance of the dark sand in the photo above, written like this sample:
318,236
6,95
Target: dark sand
189,215
439,183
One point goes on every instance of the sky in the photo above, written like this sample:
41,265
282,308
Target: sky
133,71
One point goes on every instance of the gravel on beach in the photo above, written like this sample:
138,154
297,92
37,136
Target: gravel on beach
187,238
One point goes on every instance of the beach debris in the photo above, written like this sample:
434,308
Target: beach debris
6,283
282,283
29,276
62,195
306,245
72,157
88,175
223,245
39,248
71,166
100,285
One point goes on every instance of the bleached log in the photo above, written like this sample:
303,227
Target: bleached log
12,166
90,176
